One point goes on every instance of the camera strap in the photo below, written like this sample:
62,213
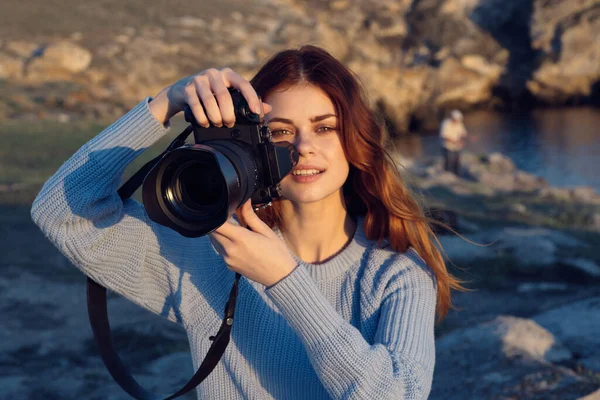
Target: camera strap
98,314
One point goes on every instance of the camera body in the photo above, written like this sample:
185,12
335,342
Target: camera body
271,164
195,188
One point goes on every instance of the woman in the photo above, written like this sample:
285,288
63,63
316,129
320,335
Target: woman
343,276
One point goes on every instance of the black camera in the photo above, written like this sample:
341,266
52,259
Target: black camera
195,188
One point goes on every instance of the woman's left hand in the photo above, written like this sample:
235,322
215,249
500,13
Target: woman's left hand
255,252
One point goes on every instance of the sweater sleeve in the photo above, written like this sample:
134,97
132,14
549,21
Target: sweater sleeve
400,362
110,240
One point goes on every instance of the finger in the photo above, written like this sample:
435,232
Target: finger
266,108
192,99
252,220
230,231
223,96
208,100
239,82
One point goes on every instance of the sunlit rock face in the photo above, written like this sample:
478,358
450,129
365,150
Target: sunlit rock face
566,35
417,58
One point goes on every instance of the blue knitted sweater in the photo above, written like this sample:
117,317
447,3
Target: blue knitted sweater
359,326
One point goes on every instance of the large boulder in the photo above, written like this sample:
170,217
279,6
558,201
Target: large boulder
566,34
573,325
496,358
58,61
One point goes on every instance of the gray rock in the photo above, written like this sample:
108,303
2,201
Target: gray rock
589,267
595,221
500,182
592,396
498,163
584,194
542,287
530,247
555,193
459,250
573,325
528,182
518,207
484,359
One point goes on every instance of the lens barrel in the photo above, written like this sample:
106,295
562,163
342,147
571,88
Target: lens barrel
195,188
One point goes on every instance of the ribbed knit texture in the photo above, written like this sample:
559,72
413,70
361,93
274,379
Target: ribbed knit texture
359,326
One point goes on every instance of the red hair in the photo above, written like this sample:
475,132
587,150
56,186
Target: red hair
374,188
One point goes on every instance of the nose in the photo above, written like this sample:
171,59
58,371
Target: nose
304,143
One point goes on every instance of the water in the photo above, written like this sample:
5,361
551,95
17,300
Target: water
562,146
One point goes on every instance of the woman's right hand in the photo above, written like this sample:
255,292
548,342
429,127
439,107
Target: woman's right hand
208,97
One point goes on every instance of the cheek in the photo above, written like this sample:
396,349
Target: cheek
338,161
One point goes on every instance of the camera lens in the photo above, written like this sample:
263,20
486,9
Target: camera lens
199,185
195,188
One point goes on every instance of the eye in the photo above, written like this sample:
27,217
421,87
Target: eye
281,132
326,128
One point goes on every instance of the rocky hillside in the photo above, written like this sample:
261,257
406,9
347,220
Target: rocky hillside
67,59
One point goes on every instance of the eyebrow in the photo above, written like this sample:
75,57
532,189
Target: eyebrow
313,119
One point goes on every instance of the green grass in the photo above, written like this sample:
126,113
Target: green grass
32,152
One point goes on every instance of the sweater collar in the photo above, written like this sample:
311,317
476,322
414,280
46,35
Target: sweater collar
349,256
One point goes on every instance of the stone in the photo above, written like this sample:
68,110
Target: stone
528,182
22,48
59,60
501,350
595,221
518,207
572,325
532,247
498,181
555,193
479,64
592,396
587,266
542,287
584,194
460,251
462,87
11,67
567,35
499,163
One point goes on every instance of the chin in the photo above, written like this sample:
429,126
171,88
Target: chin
306,195
296,197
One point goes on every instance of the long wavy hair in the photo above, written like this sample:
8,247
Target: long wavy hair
374,188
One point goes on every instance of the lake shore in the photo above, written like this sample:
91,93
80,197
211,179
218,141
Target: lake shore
526,330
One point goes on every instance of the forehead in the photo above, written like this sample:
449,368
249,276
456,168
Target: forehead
302,101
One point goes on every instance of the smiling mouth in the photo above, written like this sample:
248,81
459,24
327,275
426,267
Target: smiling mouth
307,172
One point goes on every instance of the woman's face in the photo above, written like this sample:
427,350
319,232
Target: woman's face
305,116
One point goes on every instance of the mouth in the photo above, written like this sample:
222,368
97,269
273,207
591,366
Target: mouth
307,172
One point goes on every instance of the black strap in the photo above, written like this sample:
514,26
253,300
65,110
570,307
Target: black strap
98,313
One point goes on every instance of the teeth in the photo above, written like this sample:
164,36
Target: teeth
306,172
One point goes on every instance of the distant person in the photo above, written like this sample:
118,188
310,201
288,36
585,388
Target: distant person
453,135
